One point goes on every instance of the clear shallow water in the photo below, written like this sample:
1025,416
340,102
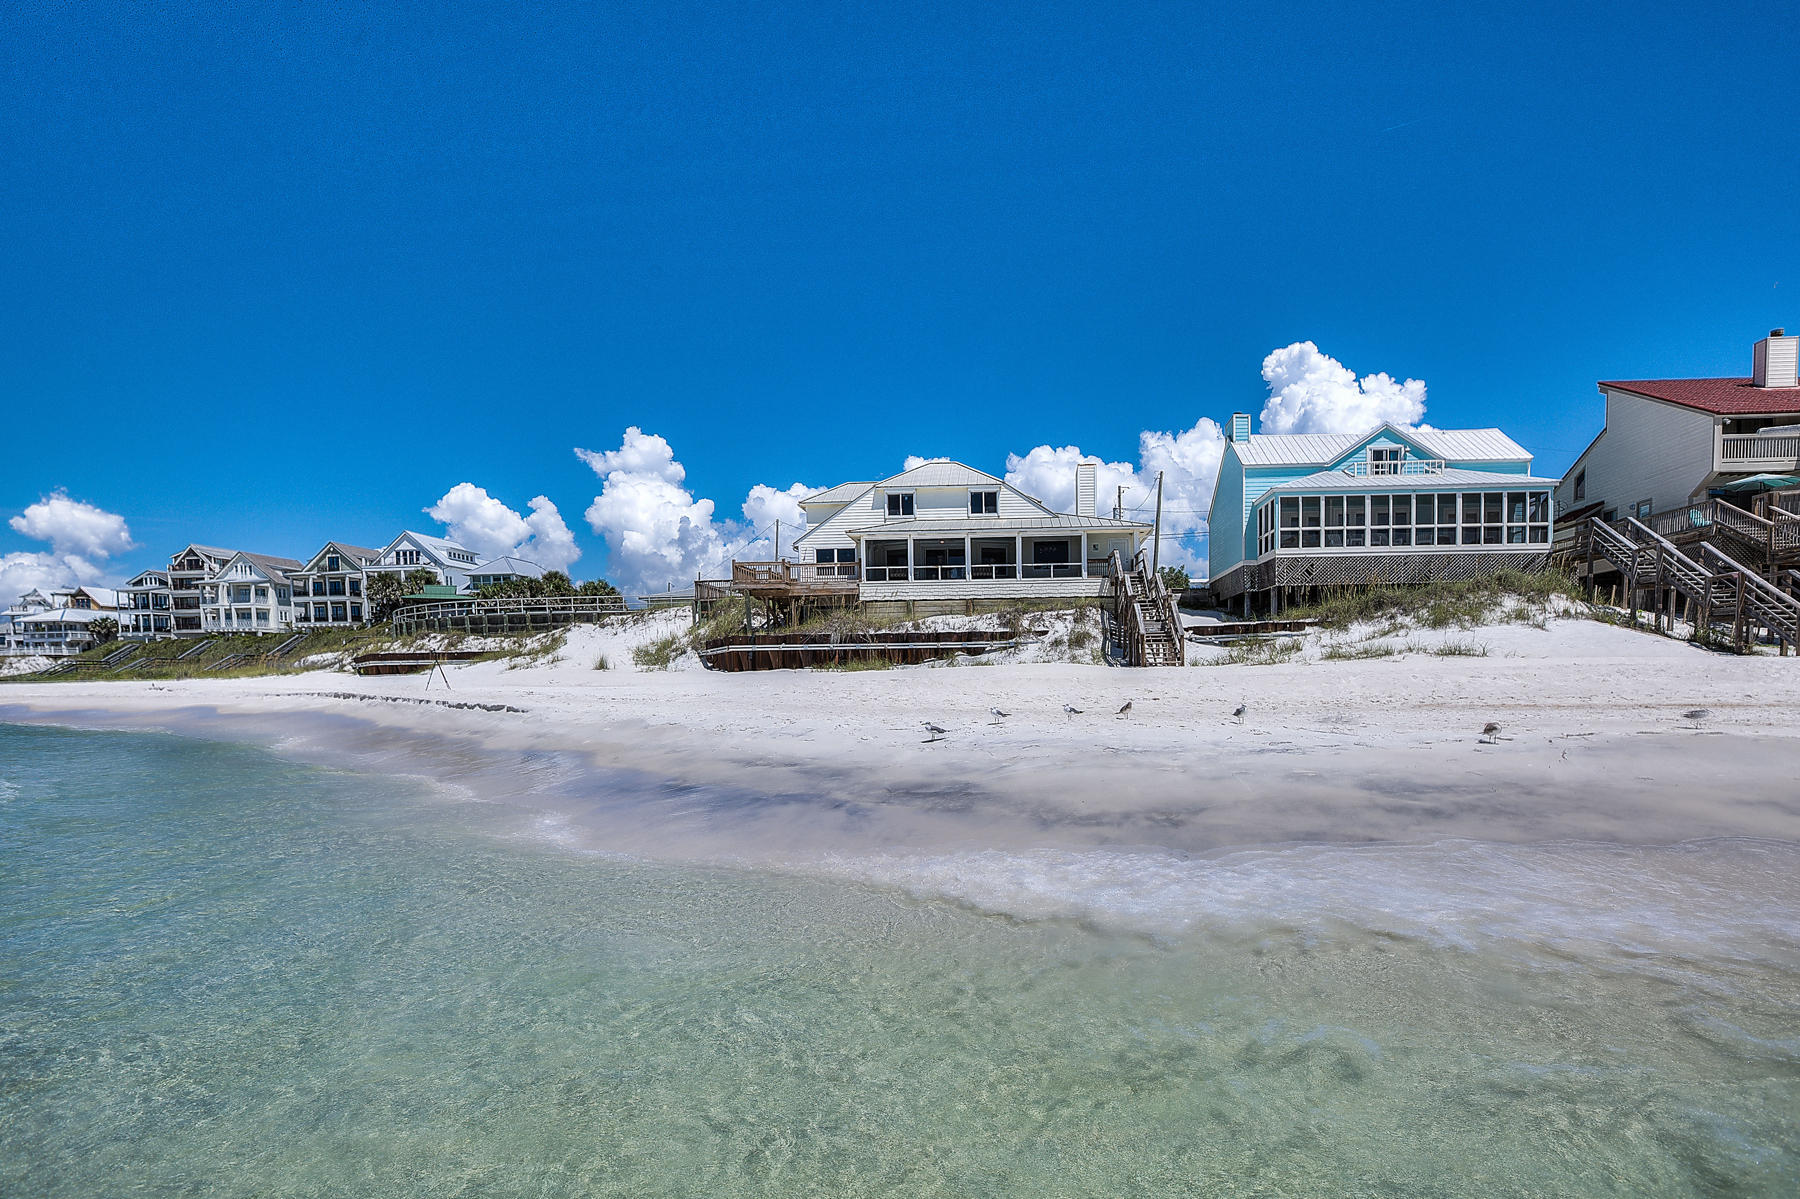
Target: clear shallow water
224,973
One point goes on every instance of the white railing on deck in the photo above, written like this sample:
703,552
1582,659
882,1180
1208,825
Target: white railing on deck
1411,466
1759,447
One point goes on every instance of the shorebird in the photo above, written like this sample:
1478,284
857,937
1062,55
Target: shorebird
1239,712
1126,710
1071,711
937,734
1489,732
1696,715
998,715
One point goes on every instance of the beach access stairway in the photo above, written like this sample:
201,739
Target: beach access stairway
1145,616
1713,591
1767,540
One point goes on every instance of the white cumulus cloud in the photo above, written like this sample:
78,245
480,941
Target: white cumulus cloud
1189,461
74,527
81,536
486,525
659,534
1312,392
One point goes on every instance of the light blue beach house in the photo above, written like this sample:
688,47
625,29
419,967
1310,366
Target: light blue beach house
1294,513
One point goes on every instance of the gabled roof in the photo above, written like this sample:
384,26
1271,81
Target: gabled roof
276,570
361,553
1446,480
940,473
105,597
1720,397
508,565
210,551
156,572
843,493
1320,449
438,546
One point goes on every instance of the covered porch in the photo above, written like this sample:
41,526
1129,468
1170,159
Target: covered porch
931,564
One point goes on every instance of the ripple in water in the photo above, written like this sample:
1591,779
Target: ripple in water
226,974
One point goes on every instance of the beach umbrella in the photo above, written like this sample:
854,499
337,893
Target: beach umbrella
1755,483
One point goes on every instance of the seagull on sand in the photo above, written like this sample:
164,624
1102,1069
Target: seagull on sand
1126,710
1490,732
1071,711
1239,712
998,715
937,733
1696,715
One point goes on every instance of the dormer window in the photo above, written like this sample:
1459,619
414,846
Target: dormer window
1385,459
900,503
984,503
332,562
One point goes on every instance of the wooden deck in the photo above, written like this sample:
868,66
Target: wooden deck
798,651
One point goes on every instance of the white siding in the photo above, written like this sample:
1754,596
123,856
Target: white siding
1652,451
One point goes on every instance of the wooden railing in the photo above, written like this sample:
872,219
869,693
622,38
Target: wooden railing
1759,447
514,614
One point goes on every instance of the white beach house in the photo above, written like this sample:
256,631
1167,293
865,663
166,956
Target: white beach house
1293,512
146,606
1666,441
504,569
328,589
948,533
250,593
448,560
189,569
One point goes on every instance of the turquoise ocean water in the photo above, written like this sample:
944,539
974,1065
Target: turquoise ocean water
223,973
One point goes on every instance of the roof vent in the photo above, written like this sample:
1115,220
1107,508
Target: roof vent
1775,360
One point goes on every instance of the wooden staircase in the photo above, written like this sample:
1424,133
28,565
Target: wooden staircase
1145,613
1716,592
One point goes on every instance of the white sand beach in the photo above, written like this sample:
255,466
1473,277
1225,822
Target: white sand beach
1593,743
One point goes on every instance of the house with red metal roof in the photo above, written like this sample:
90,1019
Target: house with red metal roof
1667,441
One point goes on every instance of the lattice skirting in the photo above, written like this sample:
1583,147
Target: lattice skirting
1353,570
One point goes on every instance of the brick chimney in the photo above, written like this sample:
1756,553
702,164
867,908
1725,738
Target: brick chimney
1776,360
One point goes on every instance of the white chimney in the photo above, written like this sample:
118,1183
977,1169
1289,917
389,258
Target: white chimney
1776,360
1084,489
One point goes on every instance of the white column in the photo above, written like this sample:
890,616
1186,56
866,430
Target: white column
909,558
968,560
1019,556
1082,547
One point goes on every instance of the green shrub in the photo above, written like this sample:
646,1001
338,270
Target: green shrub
659,654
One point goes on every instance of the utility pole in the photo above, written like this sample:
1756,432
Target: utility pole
1156,546
777,539
1119,504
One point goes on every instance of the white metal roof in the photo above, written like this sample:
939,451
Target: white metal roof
843,493
1447,480
508,565
1304,449
941,473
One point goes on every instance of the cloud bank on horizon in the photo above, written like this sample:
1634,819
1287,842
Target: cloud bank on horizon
659,534
82,537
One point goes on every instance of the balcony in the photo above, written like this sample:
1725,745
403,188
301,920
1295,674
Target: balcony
1410,466
1758,452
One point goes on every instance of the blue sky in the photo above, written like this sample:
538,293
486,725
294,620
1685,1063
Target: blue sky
284,273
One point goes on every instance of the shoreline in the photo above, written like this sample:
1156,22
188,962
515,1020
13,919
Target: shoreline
1346,752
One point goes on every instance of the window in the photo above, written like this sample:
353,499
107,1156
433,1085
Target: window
337,612
900,503
355,611
1581,484
1334,522
355,586
332,562
1290,522
1309,522
1641,509
984,503
1385,459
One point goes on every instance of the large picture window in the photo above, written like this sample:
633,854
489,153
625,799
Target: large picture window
1401,521
900,503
